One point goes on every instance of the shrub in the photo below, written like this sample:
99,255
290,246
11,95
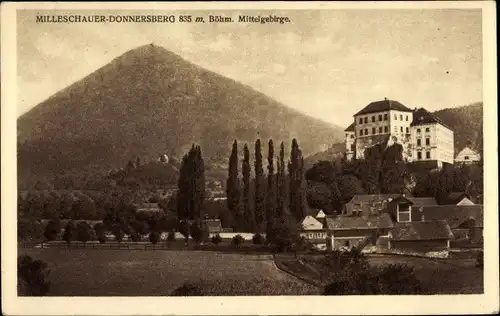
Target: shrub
52,230
32,277
69,232
171,236
216,239
84,232
199,232
237,240
480,260
188,289
134,236
154,237
184,230
258,239
100,232
117,231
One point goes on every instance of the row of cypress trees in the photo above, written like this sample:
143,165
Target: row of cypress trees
269,199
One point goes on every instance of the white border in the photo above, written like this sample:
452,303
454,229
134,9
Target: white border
293,305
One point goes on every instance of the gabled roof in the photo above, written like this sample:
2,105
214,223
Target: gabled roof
455,215
310,222
415,201
350,128
372,198
428,230
358,222
383,105
455,197
421,116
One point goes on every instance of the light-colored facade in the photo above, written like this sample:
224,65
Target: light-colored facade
423,136
467,156
432,141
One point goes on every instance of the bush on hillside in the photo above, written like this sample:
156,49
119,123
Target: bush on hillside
52,230
154,237
171,236
84,232
69,232
100,232
118,232
216,239
188,289
258,239
199,232
237,240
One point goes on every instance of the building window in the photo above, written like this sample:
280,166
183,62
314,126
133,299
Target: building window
352,135
400,117
466,158
404,216
418,130
428,155
386,129
380,117
407,130
360,120
419,142
386,117
395,129
427,129
395,117
407,118
401,129
373,118
427,141
366,120
380,130
419,155
360,132
366,131
374,131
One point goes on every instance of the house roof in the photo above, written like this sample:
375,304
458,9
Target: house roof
371,198
455,215
383,105
350,128
415,201
455,197
421,116
428,230
358,222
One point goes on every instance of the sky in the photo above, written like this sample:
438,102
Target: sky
325,63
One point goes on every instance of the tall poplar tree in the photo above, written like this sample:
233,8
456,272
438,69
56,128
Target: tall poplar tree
246,169
259,175
191,185
233,186
271,195
296,175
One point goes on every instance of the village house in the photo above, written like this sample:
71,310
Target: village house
423,136
467,156
313,230
368,203
420,236
148,208
352,231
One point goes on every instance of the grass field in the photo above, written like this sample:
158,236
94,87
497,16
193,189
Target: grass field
94,272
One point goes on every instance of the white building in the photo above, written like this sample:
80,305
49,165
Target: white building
423,136
467,156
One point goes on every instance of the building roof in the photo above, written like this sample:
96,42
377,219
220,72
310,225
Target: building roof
455,198
415,201
428,230
148,207
309,222
383,105
421,116
350,128
455,215
372,198
358,222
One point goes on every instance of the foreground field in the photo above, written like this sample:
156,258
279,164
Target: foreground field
92,272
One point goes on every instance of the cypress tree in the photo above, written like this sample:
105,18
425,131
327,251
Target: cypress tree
233,185
259,175
280,182
191,184
295,171
271,196
246,169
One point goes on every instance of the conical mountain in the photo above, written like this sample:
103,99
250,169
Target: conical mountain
150,101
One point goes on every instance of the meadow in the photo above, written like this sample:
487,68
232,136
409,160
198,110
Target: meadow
95,272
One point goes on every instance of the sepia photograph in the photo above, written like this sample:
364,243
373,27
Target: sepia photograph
319,152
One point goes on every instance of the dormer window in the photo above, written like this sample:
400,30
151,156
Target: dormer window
403,213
